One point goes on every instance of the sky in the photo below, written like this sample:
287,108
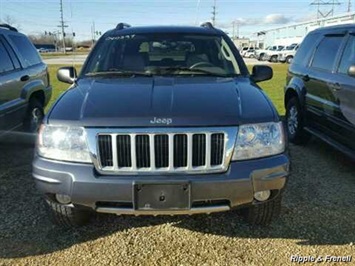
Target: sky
36,17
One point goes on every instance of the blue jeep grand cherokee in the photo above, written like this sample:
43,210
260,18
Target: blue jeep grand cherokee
162,120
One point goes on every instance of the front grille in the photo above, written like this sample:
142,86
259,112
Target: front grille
169,152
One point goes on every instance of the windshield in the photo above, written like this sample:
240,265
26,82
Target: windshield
280,48
163,54
291,47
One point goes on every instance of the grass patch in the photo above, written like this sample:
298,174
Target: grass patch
273,87
58,87
55,55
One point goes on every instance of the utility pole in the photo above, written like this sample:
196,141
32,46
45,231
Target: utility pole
0,11
319,3
62,24
214,13
349,6
235,27
233,34
93,33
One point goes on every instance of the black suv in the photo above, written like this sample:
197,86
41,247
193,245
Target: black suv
24,82
320,91
162,121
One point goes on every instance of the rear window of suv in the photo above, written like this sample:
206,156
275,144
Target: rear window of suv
26,49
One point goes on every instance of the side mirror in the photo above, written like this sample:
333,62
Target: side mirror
351,71
67,74
261,73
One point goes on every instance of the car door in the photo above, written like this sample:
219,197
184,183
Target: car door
320,98
9,81
342,123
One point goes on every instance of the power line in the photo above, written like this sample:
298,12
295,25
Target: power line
322,14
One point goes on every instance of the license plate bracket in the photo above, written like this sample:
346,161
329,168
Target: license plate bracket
162,196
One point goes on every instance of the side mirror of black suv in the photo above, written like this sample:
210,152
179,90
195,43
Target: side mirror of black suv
67,74
261,73
351,71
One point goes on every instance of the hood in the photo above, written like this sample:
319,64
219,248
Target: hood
162,101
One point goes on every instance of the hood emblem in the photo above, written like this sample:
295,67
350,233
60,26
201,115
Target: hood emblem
157,120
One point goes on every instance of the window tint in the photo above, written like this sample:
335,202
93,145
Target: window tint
305,50
26,49
5,62
326,53
348,58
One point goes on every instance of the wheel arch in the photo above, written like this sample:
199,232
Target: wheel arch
295,88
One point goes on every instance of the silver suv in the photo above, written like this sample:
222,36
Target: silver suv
287,54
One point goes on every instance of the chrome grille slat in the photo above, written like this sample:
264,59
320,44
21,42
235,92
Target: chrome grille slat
208,153
152,151
133,151
171,151
149,151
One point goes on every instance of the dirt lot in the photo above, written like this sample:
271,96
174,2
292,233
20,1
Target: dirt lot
317,219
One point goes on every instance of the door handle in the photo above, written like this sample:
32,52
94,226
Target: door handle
25,78
306,78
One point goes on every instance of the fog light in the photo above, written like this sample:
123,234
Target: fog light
63,199
262,195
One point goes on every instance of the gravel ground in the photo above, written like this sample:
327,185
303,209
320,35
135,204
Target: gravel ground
317,219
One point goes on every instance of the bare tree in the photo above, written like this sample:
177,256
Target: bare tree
7,19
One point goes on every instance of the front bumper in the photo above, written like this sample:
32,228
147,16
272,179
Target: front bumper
115,194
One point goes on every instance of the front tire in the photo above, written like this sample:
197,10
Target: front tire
273,59
67,216
295,123
262,213
34,116
289,59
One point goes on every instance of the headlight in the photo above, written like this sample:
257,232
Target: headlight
63,143
259,140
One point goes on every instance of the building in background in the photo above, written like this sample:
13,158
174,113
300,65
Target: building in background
244,42
295,33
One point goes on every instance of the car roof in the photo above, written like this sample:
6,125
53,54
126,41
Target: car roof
336,27
166,29
5,29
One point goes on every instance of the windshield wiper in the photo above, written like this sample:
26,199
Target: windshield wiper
198,70
124,73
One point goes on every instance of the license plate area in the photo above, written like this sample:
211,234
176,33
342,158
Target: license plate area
162,196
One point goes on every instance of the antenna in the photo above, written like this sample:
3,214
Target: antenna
322,14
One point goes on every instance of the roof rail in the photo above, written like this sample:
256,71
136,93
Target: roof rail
207,25
7,26
121,26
